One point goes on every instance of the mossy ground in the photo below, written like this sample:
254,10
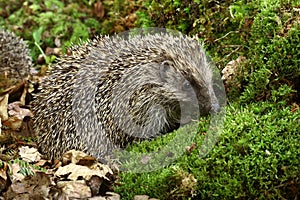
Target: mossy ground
257,155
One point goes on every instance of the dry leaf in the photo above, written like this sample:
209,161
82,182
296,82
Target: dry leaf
41,163
3,107
17,91
16,115
99,9
112,196
75,189
13,122
74,171
35,187
14,109
231,68
29,154
190,148
102,167
95,183
141,197
4,177
53,51
77,157
16,176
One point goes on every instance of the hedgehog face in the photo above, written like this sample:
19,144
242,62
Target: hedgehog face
194,88
188,96
180,99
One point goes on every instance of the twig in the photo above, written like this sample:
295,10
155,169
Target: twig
225,35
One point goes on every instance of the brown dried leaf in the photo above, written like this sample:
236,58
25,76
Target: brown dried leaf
42,163
95,183
17,91
190,148
35,187
73,172
29,154
14,109
4,177
99,9
53,51
75,189
16,176
16,115
3,107
295,107
13,122
112,196
231,68
77,157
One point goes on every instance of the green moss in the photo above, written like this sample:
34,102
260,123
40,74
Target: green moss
256,157
274,55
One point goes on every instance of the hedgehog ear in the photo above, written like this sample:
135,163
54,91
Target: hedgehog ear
164,70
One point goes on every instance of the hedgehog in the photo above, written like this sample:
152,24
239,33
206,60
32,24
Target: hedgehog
15,60
113,91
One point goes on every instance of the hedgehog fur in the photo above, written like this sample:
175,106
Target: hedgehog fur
15,60
112,91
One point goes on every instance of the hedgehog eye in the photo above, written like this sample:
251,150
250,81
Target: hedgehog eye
187,85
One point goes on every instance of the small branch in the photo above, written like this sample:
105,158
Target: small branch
225,35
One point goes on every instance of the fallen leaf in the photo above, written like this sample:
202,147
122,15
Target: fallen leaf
75,189
13,122
190,148
112,196
99,9
32,187
17,91
3,107
231,68
95,183
73,171
14,109
77,157
29,154
16,176
4,177
53,51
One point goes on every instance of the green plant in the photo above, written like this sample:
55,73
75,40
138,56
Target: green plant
26,169
43,23
256,157
37,41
